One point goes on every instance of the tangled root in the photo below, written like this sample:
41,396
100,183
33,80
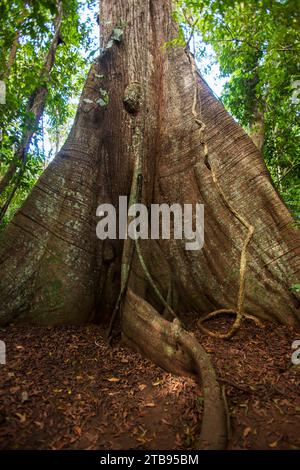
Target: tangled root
236,325
176,350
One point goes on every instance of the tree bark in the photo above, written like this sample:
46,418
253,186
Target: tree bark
257,130
55,271
256,107
11,56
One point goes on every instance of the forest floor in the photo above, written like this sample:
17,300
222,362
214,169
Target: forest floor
65,388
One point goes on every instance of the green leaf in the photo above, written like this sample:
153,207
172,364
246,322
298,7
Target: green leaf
117,34
295,288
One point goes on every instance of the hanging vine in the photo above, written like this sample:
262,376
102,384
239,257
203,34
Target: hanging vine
238,311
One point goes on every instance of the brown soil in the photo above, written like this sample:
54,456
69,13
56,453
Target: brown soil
64,388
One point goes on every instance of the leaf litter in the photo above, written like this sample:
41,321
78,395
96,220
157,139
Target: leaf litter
65,388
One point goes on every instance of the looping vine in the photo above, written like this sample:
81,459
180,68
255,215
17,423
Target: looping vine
130,247
238,310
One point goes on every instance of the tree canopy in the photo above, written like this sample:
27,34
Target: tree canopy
255,43
257,46
26,33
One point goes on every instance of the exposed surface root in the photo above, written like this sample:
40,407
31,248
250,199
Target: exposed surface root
177,351
236,325
213,314
73,403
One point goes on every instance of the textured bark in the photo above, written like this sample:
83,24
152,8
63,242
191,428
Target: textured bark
257,128
36,105
54,270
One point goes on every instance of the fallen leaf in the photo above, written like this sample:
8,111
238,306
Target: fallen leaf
164,421
113,379
273,444
24,397
150,405
39,424
77,430
158,382
142,440
142,387
247,431
21,417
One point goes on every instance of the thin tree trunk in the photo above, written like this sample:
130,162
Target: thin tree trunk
36,106
14,45
11,56
55,271
257,128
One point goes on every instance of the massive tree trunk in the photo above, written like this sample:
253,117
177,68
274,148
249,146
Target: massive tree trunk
53,268
162,138
13,47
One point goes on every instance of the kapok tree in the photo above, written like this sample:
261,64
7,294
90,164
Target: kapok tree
148,127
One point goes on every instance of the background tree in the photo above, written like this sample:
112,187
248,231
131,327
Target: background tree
51,47
256,44
149,127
